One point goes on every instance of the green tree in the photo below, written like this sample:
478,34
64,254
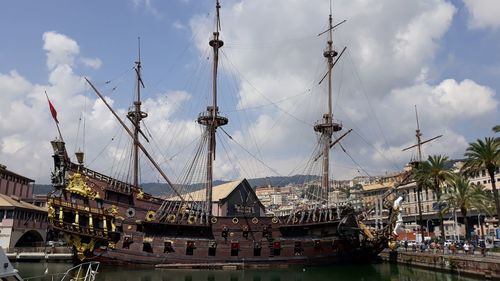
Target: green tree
465,196
484,155
433,173
496,129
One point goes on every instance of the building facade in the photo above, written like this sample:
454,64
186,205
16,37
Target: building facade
15,184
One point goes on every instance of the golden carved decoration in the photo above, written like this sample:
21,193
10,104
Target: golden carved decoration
150,216
111,245
81,248
171,218
51,212
78,186
140,195
392,244
113,210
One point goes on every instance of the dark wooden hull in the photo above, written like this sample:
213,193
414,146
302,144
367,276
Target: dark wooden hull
128,257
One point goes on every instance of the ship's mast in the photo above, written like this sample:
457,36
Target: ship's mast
419,144
136,115
211,120
327,127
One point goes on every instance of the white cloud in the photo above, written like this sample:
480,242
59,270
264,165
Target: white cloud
466,99
483,13
61,49
92,62
13,144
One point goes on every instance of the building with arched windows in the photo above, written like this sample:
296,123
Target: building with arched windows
22,224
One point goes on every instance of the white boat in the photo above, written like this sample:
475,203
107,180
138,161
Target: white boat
82,272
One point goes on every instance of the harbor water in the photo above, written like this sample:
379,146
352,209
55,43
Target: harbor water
369,272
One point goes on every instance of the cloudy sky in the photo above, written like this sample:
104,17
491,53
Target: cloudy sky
441,56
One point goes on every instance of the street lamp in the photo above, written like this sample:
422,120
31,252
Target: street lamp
481,225
428,226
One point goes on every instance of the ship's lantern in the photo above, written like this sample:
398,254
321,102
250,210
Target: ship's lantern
79,157
57,145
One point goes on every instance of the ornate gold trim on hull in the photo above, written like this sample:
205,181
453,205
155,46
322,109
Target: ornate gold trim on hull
78,186
81,248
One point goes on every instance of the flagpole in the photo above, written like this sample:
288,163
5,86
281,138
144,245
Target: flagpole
54,116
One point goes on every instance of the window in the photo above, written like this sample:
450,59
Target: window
257,249
277,248
146,247
235,248
10,214
297,249
212,249
190,246
127,241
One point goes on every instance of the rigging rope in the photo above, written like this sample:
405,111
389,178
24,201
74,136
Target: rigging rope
369,104
247,151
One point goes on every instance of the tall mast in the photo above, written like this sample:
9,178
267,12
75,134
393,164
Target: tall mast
418,134
135,115
210,119
419,144
327,127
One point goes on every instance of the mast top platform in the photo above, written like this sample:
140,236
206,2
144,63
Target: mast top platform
210,118
328,125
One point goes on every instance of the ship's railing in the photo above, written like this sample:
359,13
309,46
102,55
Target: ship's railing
85,230
59,202
115,184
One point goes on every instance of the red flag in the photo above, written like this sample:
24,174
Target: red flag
52,110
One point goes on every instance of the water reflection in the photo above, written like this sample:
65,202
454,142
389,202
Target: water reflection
375,272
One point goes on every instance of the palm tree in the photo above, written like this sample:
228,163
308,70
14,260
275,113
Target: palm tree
496,129
484,155
464,196
433,173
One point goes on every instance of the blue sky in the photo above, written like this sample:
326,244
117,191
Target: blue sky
439,55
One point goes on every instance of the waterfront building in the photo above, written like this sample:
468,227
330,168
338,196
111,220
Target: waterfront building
21,224
14,184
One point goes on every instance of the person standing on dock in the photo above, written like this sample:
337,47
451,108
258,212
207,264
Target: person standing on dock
466,248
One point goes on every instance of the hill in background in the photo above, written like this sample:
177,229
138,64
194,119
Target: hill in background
160,188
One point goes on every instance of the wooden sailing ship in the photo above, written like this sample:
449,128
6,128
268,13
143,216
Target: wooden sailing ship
116,222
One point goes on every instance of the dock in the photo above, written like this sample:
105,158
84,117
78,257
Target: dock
487,267
40,254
